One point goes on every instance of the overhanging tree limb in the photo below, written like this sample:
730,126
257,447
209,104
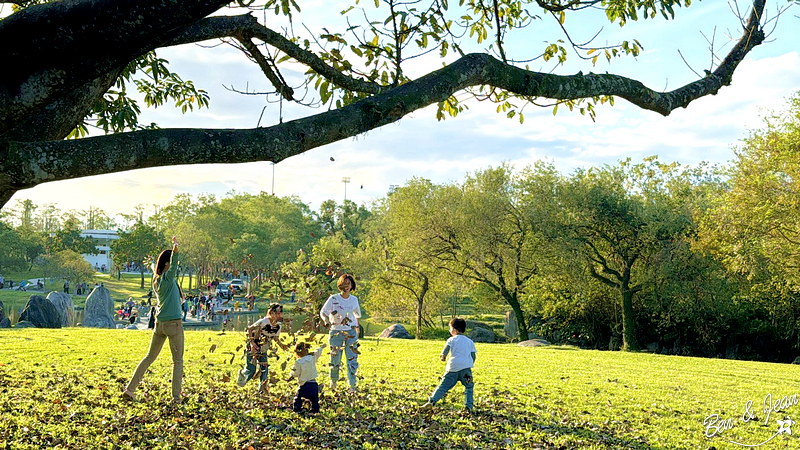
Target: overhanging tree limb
32,163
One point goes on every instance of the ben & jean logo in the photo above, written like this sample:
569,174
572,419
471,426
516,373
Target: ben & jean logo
716,426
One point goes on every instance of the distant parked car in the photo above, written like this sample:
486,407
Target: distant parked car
223,291
238,285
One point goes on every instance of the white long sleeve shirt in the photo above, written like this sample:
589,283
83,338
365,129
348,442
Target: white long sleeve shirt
342,313
305,368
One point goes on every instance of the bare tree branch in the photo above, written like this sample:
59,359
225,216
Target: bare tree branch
246,25
284,90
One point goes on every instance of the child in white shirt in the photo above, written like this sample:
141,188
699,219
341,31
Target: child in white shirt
305,370
459,366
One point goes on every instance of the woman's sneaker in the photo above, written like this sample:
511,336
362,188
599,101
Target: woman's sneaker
241,380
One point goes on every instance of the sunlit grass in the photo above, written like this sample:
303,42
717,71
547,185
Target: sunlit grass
60,387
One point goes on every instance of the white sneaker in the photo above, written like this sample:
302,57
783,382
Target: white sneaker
242,379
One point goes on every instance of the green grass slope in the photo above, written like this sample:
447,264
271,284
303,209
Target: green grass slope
59,389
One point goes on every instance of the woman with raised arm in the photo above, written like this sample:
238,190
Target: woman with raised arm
168,324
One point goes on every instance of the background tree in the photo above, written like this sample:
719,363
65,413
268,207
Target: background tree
199,254
15,250
181,209
479,232
95,218
68,265
54,88
619,219
752,226
69,238
401,278
142,244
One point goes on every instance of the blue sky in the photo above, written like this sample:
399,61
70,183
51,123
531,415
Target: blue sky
445,151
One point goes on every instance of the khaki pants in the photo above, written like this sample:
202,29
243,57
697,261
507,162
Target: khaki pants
172,330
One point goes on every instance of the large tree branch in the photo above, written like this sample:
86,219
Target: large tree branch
33,163
60,46
593,272
58,119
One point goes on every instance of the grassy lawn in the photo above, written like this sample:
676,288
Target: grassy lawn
60,387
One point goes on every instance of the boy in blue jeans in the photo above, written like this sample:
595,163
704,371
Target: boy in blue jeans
260,336
459,365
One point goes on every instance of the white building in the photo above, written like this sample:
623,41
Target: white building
101,261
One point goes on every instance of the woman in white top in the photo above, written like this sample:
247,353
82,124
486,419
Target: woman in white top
341,312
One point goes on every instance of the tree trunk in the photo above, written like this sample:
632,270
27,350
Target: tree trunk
141,272
513,301
629,342
419,318
420,302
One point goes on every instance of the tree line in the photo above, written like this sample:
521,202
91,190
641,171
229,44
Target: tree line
685,260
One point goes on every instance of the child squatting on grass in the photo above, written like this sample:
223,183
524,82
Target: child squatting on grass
459,365
305,370
260,336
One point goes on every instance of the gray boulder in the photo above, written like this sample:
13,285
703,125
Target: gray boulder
98,309
480,334
396,331
5,322
24,324
474,324
64,306
131,327
534,343
41,313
